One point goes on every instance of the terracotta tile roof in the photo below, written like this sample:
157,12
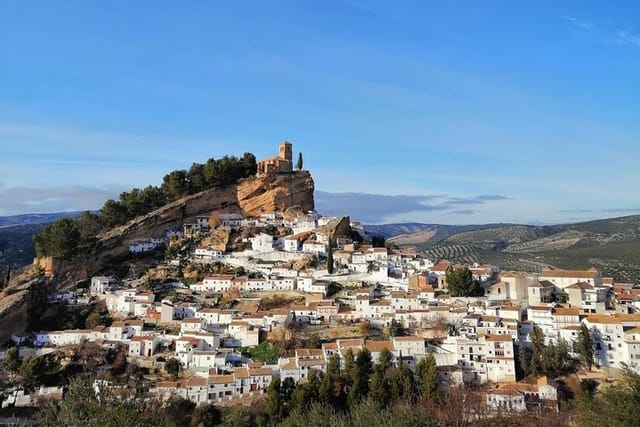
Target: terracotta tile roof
330,346
239,373
255,372
542,284
197,381
580,285
603,319
377,346
221,379
441,266
504,338
540,308
289,365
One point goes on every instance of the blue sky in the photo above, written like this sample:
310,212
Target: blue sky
445,112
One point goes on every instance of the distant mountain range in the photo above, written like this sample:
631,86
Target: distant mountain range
16,236
611,245
38,218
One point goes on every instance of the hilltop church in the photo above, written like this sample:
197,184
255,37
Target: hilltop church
283,162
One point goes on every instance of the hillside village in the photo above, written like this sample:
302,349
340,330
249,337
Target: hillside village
320,282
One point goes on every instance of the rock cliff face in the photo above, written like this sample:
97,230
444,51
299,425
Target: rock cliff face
250,197
25,300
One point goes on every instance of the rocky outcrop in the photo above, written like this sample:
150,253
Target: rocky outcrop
20,303
250,197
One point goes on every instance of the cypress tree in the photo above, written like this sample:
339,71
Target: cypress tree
330,260
299,165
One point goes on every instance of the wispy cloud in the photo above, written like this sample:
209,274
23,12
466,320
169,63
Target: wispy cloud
584,25
463,212
376,208
605,33
626,37
476,200
617,210
576,211
20,200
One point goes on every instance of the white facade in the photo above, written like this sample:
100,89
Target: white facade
146,245
220,283
314,248
100,284
262,243
208,254
291,244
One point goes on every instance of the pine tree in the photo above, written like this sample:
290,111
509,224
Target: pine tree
460,283
360,377
523,358
326,389
384,360
427,378
349,367
538,362
299,165
273,405
380,387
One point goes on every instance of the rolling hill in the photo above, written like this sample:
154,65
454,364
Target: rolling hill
611,245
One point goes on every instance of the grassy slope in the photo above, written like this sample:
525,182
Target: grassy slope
611,245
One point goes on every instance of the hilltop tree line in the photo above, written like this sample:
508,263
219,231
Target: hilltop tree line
62,237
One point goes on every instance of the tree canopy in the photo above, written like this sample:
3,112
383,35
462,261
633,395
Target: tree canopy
584,346
59,239
460,283
62,237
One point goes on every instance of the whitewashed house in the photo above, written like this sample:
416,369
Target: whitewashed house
218,283
262,243
101,284
146,245
208,254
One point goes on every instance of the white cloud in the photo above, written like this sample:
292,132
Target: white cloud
625,37
604,33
